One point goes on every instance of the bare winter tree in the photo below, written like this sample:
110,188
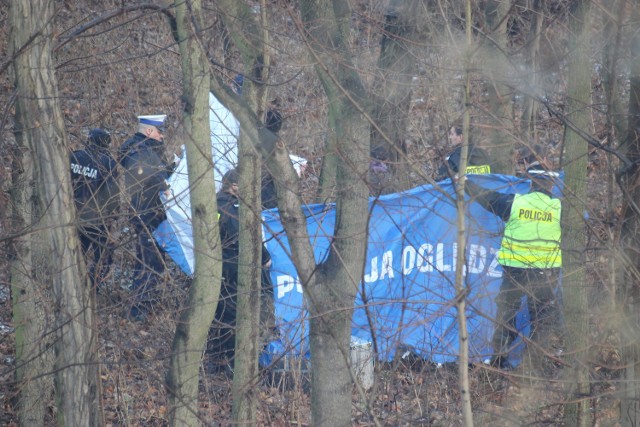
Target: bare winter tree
193,324
39,124
498,72
330,287
248,31
573,207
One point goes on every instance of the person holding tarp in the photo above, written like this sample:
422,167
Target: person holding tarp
221,342
530,256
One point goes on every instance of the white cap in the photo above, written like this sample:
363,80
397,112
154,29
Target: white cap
538,170
154,120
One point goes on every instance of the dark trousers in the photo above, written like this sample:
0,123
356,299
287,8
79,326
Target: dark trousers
97,253
149,265
540,288
222,334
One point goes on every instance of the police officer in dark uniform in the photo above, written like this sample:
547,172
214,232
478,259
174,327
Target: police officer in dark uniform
273,122
94,179
478,162
146,173
221,343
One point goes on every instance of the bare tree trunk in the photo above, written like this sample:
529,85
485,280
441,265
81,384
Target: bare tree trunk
34,355
628,290
195,318
330,293
39,120
249,288
393,88
529,113
251,39
573,207
497,69
327,182
613,17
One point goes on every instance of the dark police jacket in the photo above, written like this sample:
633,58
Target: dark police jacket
94,178
146,175
228,208
478,162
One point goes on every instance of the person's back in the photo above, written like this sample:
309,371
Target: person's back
145,176
532,232
96,195
146,173
531,259
94,180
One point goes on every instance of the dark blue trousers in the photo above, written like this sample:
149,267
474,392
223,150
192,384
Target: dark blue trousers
149,266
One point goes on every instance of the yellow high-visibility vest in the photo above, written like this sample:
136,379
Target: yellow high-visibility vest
478,170
532,234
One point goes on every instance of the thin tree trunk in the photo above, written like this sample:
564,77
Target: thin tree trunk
393,88
499,94
249,289
330,293
252,39
529,113
196,317
573,208
461,288
613,31
327,181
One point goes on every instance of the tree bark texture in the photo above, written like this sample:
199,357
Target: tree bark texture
252,44
528,125
39,120
197,315
393,85
497,69
249,288
576,306
30,298
330,293
461,284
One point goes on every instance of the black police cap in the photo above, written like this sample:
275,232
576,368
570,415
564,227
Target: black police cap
100,137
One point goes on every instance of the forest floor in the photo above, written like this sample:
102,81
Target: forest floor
134,357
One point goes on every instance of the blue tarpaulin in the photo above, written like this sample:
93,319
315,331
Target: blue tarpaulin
407,297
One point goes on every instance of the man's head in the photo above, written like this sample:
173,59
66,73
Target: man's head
230,182
152,126
100,138
541,177
455,135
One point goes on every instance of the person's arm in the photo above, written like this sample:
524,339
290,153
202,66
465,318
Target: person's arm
449,166
497,203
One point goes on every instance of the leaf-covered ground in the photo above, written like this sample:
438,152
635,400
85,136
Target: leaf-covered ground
407,392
